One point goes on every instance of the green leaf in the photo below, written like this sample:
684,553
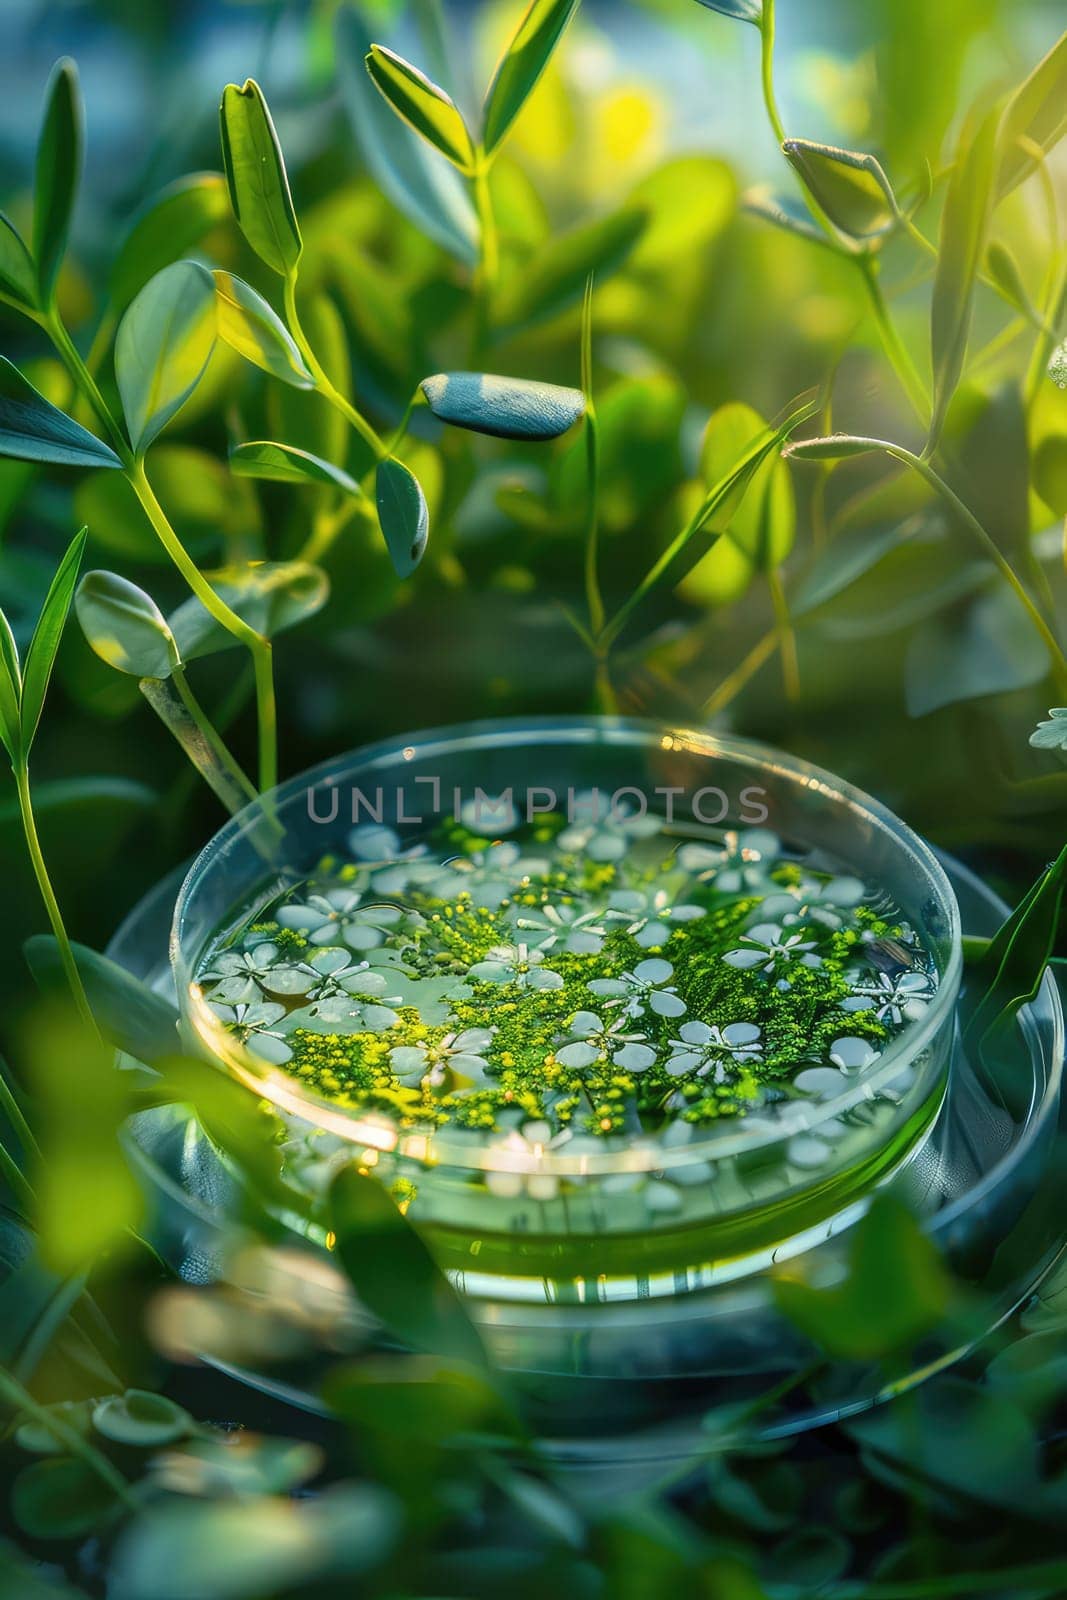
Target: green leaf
62,1498
849,186
10,692
556,277
394,1274
258,182
688,203
167,228
1050,472
522,64
141,1419
251,327
37,1439
504,408
284,463
41,654
740,10
402,515
1006,978
32,429
1003,268
758,534
124,626
59,161
270,596
429,193
17,278
896,1289
784,212
1037,112
163,345
964,227
982,646
422,104
129,1014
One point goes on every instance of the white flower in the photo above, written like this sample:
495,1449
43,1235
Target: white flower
526,1145
383,860
242,975
518,964
596,1040
853,1055
488,876
904,996
457,1052
357,1004
646,916
341,914
1051,735
565,927
254,1026
644,986
814,900
767,944
742,865
489,814
602,831
707,1050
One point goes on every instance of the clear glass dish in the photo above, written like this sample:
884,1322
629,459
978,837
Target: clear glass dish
635,1216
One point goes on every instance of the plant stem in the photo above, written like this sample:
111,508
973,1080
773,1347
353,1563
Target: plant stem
488,260
770,99
258,646
787,636
920,465
731,686
214,739
322,381
20,1399
133,467
13,1111
1046,341
593,596
44,884
892,343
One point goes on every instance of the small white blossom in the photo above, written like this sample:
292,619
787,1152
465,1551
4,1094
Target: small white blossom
602,831
342,914
595,1040
767,946
489,814
646,916
853,1055
709,1051
255,1025
488,876
358,1004
814,900
518,964
896,998
742,865
567,927
648,985
457,1052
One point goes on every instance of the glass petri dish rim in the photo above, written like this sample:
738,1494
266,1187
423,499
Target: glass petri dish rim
436,1149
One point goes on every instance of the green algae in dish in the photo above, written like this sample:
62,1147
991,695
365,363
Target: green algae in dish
570,985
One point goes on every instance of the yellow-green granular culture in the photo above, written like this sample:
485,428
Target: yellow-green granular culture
603,979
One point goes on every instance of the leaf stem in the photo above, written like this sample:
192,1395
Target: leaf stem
214,739
16,1181
13,1111
731,686
133,467
44,884
961,510
770,99
488,256
892,343
322,381
787,636
258,646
